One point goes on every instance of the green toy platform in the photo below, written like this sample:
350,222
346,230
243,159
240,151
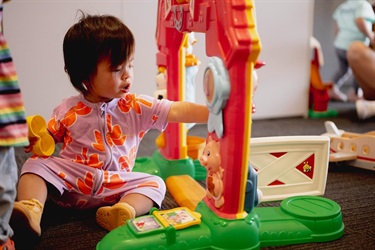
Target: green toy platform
298,220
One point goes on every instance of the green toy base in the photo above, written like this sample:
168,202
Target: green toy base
328,113
162,167
298,220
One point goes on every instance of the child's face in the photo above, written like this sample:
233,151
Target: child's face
108,83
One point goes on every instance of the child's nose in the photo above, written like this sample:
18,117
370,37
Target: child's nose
125,75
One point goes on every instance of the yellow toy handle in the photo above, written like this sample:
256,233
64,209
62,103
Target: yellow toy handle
41,142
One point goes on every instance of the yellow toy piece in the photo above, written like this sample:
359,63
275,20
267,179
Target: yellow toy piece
186,191
195,145
179,218
160,140
41,142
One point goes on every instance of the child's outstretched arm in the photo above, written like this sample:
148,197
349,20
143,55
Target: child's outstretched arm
187,112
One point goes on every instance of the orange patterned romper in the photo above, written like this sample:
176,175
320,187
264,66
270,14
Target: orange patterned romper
100,144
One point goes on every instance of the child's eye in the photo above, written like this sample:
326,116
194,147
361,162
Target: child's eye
117,69
129,67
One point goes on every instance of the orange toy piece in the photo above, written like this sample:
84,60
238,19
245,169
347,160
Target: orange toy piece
318,92
318,89
41,142
186,191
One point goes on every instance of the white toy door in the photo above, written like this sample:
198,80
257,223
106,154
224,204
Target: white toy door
290,165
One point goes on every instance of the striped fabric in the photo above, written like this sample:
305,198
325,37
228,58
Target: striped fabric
13,128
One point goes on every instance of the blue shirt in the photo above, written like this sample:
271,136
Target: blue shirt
345,15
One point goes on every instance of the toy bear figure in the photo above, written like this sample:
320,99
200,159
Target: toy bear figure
161,84
211,160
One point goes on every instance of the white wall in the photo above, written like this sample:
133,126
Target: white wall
35,30
285,28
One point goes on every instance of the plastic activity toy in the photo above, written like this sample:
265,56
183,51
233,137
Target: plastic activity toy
318,91
161,84
227,218
185,190
286,166
355,149
191,69
188,146
41,142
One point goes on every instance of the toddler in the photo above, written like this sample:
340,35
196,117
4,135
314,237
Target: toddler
100,130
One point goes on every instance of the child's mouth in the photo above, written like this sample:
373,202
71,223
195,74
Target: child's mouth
126,88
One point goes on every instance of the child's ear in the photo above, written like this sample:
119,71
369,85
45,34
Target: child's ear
85,85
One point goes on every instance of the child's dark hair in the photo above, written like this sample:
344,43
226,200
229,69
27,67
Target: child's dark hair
92,39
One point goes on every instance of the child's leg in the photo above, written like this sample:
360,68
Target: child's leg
8,180
32,186
141,204
138,196
130,206
27,212
362,61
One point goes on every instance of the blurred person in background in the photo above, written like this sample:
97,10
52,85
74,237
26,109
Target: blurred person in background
353,22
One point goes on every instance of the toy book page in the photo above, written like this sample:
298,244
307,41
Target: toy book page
179,218
145,224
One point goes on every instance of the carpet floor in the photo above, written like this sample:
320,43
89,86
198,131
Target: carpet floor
352,188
